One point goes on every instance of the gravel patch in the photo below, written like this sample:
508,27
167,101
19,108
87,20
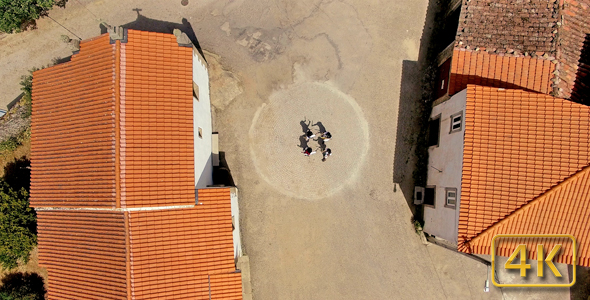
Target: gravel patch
13,123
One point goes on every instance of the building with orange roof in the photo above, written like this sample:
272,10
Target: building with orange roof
536,45
508,161
121,164
509,138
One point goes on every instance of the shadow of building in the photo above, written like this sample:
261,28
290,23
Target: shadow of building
146,24
416,95
581,89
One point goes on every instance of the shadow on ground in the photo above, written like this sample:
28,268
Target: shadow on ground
222,174
580,290
146,24
17,173
411,157
19,285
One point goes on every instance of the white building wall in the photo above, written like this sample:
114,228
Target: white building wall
202,119
235,216
440,220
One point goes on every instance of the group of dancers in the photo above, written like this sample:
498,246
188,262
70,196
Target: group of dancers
322,138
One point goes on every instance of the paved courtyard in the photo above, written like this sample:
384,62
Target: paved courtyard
338,229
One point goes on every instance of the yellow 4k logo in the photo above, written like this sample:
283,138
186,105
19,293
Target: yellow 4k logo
523,266
569,245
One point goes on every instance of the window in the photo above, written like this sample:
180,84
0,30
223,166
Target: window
456,121
442,78
200,132
195,91
429,195
433,131
451,197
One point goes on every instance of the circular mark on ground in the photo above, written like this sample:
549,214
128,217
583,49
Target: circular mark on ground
184,2
275,140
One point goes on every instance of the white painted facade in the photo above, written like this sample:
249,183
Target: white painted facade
445,164
202,120
235,217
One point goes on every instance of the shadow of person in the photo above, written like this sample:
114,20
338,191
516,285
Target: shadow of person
320,126
305,125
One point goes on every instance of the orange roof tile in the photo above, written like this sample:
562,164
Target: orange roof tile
557,30
573,52
517,146
567,206
173,253
509,26
156,124
73,130
84,253
202,245
121,108
113,129
511,72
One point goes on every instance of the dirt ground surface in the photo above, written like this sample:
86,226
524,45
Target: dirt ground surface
338,229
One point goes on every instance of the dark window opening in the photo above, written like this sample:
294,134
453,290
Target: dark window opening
429,195
442,78
433,132
449,30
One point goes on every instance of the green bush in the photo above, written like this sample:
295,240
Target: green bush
27,88
9,145
18,226
16,13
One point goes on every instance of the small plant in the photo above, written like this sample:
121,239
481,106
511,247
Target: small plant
27,88
418,225
8,145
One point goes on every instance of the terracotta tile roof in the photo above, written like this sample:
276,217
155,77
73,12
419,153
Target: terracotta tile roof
113,129
73,130
558,31
173,253
505,26
573,52
156,156
84,253
78,144
517,146
202,246
565,209
482,68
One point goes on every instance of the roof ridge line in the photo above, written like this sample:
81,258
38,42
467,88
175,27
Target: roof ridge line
549,58
115,209
128,279
550,189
